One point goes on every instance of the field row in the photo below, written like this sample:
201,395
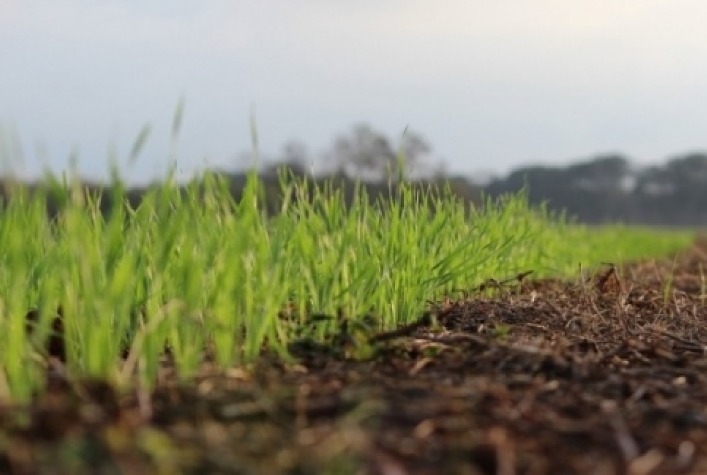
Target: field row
197,268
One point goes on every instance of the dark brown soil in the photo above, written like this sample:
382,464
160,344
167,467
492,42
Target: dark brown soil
603,375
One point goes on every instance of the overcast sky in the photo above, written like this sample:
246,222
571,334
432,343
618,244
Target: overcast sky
491,84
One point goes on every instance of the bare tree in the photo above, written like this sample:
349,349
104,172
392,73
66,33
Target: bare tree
294,157
370,155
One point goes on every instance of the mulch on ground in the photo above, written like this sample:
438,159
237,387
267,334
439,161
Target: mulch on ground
606,374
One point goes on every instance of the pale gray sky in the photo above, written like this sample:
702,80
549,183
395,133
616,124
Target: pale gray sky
490,83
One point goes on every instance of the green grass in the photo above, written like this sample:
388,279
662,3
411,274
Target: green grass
197,267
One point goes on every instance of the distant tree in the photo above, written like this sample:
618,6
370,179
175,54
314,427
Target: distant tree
294,157
368,154
608,174
413,148
654,181
687,176
295,152
593,190
676,176
688,170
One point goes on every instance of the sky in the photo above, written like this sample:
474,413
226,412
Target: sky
491,84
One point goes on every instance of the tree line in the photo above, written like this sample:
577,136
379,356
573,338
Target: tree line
608,188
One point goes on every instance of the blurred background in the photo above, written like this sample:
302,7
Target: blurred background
599,108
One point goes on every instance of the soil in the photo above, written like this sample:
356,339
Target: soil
604,374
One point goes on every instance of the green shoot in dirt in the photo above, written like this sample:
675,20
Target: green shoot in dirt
192,269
